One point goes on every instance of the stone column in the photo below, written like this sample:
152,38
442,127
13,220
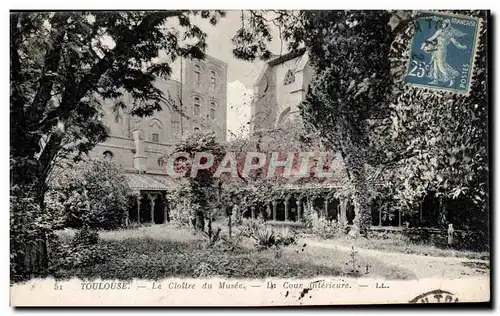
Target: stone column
138,209
152,200
299,211
140,157
343,211
127,217
165,214
286,210
380,217
421,211
275,210
325,210
252,209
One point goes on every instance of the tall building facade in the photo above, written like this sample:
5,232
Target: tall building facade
195,102
279,89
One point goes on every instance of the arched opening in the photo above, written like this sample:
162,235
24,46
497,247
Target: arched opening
159,210
132,208
333,208
283,117
108,155
145,209
350,213
292,209
156,131
289,77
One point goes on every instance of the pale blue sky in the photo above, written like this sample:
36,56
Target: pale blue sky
220,46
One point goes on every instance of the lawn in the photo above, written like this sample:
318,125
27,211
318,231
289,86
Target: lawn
163,251
396,243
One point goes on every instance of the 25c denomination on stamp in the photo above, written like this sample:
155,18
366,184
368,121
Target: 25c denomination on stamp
443,51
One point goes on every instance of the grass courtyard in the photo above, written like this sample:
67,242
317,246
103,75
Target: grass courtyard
163,251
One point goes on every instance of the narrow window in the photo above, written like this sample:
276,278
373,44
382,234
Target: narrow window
156,138
176,124
213,80
289,78
212,110
197,74
196,106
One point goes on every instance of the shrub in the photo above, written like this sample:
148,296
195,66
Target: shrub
236,218
264,237
322,227
180,212
85,236
83,251
285,236
92,193
327,229
30,230
249,225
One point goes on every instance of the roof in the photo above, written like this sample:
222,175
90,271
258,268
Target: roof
279,59
138,181
283,58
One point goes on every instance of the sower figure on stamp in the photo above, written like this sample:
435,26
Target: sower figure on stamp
436,46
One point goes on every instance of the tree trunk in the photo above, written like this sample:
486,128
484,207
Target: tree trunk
363,218
230,221
361,201
200,221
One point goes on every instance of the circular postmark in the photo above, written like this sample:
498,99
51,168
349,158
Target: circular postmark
435,296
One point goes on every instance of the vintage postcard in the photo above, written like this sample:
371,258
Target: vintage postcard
249,158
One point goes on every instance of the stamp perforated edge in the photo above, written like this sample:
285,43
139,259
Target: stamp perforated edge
443,91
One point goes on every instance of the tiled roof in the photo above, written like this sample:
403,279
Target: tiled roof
144,182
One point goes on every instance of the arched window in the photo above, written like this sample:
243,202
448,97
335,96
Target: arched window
212,109
283,117
176,126
162,161
156,130
196,105
197,74
108,155
289,77
213,80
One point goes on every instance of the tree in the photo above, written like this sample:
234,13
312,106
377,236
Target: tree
412,140
64,64
348,51
444,141
204,190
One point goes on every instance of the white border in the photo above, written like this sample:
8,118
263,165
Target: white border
226,4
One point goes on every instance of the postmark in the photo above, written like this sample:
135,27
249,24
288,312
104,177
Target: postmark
443,51
435,296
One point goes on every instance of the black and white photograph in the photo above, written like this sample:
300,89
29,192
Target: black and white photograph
249,157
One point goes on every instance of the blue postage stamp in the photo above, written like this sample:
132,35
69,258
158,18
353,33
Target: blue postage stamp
443,51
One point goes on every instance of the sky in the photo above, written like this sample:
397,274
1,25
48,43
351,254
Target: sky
219,45
241,75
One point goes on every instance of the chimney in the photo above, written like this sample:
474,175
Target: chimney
140,158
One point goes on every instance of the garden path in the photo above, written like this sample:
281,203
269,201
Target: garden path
422,266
